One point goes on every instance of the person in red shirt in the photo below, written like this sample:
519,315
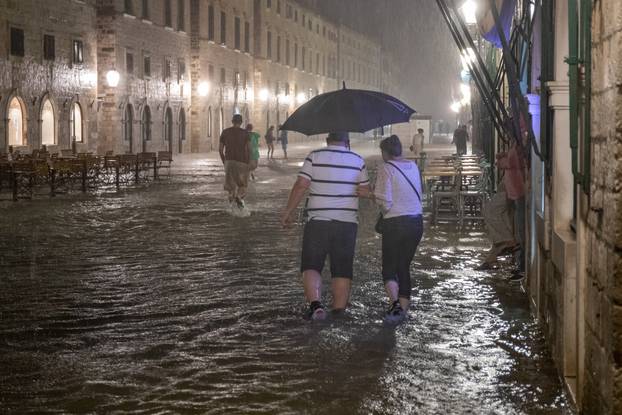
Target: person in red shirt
235,152
513,165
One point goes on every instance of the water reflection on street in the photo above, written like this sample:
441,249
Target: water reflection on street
156,300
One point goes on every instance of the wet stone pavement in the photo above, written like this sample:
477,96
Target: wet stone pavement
155,300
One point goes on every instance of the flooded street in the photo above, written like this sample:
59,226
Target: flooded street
156,300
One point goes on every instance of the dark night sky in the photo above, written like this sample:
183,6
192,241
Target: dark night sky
416,33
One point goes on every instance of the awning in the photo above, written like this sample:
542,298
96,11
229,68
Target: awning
486,20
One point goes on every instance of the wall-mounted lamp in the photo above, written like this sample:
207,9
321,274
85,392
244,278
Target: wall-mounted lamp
284,99
264,95
301,98
203,88
469,9
465,89
112,78
455,107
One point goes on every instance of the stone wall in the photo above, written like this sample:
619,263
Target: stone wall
141,36
603,364
32,78
118,35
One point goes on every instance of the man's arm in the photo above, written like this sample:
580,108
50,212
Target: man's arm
364,191
295,197
221,150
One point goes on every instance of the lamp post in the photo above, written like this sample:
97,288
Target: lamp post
469,10
204,88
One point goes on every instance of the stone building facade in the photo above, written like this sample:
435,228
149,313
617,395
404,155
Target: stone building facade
294,50
360,60
222,68
148,44
603,297
147,75
574,220
48,75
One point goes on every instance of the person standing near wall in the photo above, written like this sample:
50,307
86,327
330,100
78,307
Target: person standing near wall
417,143
513,166
461,136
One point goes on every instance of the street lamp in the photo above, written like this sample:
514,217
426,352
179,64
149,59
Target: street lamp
112,78
465,89
284,99
455,106
301,98
469,9
264,95
203,88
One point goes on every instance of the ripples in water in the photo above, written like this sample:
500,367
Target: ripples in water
157,301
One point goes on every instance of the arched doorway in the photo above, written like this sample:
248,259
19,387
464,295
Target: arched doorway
182,129
128,127
16,128
75,125
168,128
146,127
48,123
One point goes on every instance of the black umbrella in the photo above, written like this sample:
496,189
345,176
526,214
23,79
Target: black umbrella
347,110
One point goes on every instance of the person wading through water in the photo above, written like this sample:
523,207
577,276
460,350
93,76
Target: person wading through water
333,175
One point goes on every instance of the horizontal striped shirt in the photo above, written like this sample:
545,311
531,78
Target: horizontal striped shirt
335,173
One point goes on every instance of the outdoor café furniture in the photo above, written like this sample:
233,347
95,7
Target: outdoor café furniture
165,159
23,173
146,162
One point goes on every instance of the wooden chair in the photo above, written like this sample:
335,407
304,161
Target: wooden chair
165,159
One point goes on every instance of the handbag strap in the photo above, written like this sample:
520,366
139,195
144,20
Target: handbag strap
407,179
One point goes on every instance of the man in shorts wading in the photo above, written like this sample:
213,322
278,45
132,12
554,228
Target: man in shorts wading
333,175
235,155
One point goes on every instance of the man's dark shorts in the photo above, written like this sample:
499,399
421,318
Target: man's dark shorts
333,238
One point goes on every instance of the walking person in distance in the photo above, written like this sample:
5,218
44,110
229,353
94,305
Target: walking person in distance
270,142
235,154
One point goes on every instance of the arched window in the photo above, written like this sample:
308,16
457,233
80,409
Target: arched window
48,123
210,122
17,122
75,123
168,124
146,124
182,125
128,122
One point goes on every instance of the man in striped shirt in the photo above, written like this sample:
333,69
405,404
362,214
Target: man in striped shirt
334,176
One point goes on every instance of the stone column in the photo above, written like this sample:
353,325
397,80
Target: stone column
197,112
109,114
